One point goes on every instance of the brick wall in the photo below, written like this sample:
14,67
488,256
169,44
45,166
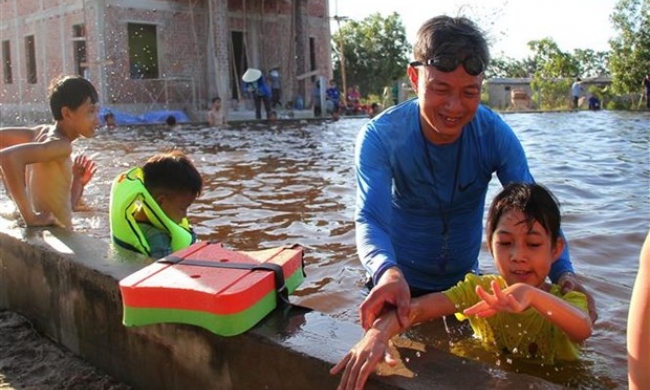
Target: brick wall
182,41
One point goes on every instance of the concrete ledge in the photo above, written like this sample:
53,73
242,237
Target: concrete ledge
67,285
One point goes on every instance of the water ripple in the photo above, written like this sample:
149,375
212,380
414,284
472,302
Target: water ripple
293,183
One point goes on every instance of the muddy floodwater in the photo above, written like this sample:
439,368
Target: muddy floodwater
293,183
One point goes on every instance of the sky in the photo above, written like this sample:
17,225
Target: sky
509,24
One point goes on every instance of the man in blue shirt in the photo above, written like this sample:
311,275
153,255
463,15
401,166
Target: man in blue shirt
423,169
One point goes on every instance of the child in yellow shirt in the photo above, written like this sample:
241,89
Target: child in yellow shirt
516,312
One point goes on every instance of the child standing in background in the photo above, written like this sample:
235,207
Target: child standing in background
333,96
276,88
37,168
216,117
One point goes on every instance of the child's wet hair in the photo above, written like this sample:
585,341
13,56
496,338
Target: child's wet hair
172,171
535,201
70,91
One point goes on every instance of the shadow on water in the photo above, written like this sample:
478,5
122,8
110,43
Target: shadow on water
293,182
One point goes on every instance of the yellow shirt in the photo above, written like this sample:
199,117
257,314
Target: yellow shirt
528,334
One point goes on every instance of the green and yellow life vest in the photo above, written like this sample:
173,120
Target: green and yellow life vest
128,197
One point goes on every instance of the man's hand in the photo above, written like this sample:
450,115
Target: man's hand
569,282
391,289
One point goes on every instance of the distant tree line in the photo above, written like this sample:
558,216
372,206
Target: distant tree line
377,52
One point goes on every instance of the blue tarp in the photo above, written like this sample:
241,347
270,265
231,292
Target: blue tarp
151,117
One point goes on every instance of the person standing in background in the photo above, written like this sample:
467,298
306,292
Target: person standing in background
646,88
216,115
353,101
256,86
333,96
576,92
315,99
276,87
594,102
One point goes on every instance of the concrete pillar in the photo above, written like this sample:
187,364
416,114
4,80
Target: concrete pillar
300,34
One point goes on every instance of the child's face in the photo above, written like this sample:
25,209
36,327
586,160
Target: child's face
175,204
85,119
217,104
523,255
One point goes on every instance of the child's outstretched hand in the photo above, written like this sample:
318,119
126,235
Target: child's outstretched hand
362,359
513,299
83,168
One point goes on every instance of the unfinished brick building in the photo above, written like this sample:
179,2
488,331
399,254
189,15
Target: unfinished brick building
153,54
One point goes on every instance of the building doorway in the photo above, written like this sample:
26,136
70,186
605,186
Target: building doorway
239,62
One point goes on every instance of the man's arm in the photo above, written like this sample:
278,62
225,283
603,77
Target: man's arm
374,246
373,205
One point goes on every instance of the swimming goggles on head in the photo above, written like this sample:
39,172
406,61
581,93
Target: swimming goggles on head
448,63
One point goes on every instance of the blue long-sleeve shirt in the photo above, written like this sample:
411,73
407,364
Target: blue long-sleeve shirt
409,190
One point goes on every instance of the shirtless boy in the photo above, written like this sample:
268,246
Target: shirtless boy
37,168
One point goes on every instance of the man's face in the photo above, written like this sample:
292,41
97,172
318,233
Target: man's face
448,101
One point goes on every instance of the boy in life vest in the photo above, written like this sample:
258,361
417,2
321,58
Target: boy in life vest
148,205
516,313
38,170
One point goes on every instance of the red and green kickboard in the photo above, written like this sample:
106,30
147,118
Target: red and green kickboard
224,291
